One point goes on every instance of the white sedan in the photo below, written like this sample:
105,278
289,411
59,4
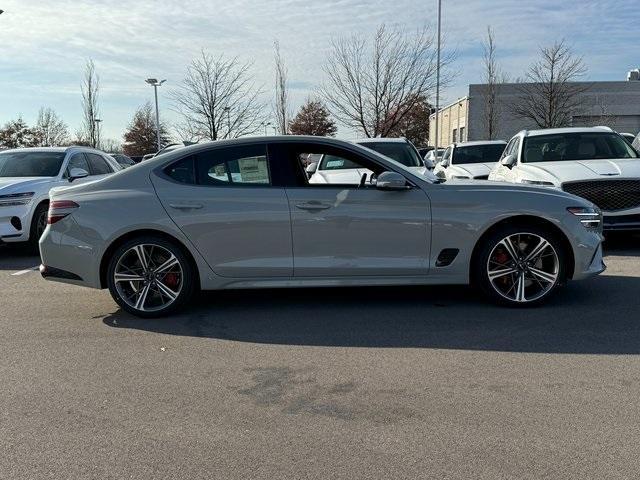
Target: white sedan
469,160
27,175
594,163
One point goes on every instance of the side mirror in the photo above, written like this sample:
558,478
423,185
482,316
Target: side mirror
429,164
76,173
311,169
509,161
391,181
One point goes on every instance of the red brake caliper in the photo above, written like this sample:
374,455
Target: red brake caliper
171,280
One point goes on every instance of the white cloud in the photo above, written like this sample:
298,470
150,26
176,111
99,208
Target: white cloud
45,43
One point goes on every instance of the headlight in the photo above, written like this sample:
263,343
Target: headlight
590,217
14,199
537,182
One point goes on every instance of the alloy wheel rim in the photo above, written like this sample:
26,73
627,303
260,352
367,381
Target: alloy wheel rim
148,277
41,224
523,267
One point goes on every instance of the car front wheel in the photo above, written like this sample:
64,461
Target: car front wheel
150,277
521,266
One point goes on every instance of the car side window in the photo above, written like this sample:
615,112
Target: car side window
99,165
446,155
508,148
334,165
182,171
246,165
78,160
515,147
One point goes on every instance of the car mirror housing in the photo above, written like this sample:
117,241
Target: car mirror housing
391,181
509,161
311,169
76,173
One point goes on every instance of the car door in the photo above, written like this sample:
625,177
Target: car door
352,229
224,201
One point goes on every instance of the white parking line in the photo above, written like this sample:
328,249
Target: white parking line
22,272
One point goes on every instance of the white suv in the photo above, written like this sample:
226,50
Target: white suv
27,175
594,163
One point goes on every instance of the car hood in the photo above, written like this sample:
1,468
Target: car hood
491,186
472,169
575,170
10,185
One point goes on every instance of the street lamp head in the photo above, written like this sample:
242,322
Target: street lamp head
162,81
1,12
151,81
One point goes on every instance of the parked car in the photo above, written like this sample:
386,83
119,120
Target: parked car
594,163
242,213
470,160
27,175
331,169
433,156
147,157
424,150
123,160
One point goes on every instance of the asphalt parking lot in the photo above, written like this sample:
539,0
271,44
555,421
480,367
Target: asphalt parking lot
340,383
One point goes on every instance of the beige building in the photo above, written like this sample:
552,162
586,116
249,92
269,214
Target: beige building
452,123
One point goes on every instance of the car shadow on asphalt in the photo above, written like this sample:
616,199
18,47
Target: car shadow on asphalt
17,257
597,316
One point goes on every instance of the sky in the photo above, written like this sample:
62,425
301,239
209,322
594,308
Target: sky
45,44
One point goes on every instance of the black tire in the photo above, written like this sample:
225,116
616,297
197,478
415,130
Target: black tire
187,277
491,245
38,224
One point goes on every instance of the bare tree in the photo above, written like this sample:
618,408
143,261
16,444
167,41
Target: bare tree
281,105
371,88
218,98
50,129
493,77
551,94
90,110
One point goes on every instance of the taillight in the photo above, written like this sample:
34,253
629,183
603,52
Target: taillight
58,209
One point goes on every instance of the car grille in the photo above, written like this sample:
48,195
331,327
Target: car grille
608,195
481,177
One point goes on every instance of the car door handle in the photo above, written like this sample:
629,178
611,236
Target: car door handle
185,206
313,206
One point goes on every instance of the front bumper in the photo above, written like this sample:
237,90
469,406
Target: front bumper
621,222
15,223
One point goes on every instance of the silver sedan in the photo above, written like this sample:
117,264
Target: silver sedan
242,214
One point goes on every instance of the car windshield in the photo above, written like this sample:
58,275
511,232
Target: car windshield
488,153
30,164
401,152
575,146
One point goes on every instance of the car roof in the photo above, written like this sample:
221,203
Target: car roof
480,142
381,140
56,149
556,131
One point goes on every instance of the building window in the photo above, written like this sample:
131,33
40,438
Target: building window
462,134
455,135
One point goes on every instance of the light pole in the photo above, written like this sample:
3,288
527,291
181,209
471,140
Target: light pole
96,135
438,78
155,84
265,125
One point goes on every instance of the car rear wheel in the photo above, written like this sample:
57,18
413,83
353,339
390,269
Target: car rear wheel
150,277
520,265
